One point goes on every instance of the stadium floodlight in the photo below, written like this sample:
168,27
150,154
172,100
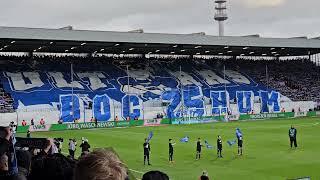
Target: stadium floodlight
5,46
95,52
273,52
172,52
207,51
158,50
242,54
283,48
123,51
66,50
264,54
288,54
13,42
175,46
182,50
51,42
1,49
221,14
198,53
251,52
131,49
229,51
149,52
272,48
82,44
34,50
73,48
116,44
226,47
220,53
197,47
245,48
102,49
40,48
276,54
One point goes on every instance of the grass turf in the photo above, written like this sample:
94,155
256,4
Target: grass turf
266,149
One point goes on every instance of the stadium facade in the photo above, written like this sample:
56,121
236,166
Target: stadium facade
76,74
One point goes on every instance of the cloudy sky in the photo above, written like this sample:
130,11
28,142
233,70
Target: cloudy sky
269,18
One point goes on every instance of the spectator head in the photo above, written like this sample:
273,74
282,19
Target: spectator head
155,175
4,165
52,167
101,164
204,176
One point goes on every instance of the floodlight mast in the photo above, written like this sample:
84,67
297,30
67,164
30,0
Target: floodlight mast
221,14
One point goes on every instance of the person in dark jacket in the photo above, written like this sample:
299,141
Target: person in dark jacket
293,136
85,146
219,147
24,165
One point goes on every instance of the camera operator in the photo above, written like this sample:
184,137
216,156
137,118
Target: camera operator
85,146
72,147
58,142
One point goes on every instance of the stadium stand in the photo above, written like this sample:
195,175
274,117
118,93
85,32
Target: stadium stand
29,80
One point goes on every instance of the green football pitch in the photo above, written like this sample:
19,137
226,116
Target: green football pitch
267,154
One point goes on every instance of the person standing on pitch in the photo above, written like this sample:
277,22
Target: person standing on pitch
240,141
219,146
293,136
171,144
199,146
146,151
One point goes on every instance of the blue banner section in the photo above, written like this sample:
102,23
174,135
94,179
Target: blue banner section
192,97
172,97
270,102
101,108
220,102
69,111
245,101
131,107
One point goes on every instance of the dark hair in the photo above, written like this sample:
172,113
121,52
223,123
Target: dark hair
24,159
204,177
52,167
170,139
155,175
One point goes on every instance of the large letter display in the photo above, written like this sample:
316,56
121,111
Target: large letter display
270,102
69,111
172,97
101,108
245,101
131,106
193,102
220,102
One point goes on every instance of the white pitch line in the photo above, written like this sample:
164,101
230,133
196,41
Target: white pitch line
136,171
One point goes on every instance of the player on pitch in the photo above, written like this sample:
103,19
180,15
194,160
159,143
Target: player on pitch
171,144
199,146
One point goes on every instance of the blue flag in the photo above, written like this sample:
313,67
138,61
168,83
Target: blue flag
184,139
150,136
208,145
231,142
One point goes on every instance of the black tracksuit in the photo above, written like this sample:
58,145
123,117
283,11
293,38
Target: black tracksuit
293,137
146,153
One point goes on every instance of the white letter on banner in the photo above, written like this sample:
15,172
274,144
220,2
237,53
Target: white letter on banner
18,80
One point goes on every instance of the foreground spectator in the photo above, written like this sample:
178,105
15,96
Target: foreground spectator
155,175
101,164
24,164
52,167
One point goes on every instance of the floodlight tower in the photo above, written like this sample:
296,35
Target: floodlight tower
221,14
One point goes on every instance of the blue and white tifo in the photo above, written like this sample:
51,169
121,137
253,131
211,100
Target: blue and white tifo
145,91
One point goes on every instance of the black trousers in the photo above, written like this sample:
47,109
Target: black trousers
293,141
146,157
71,153
170,155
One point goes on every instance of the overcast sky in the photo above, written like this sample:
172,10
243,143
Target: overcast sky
269,18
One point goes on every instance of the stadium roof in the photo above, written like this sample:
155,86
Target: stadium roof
16,39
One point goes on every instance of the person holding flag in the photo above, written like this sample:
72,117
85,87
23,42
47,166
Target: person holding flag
240,141
219,146
171,144
199,147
